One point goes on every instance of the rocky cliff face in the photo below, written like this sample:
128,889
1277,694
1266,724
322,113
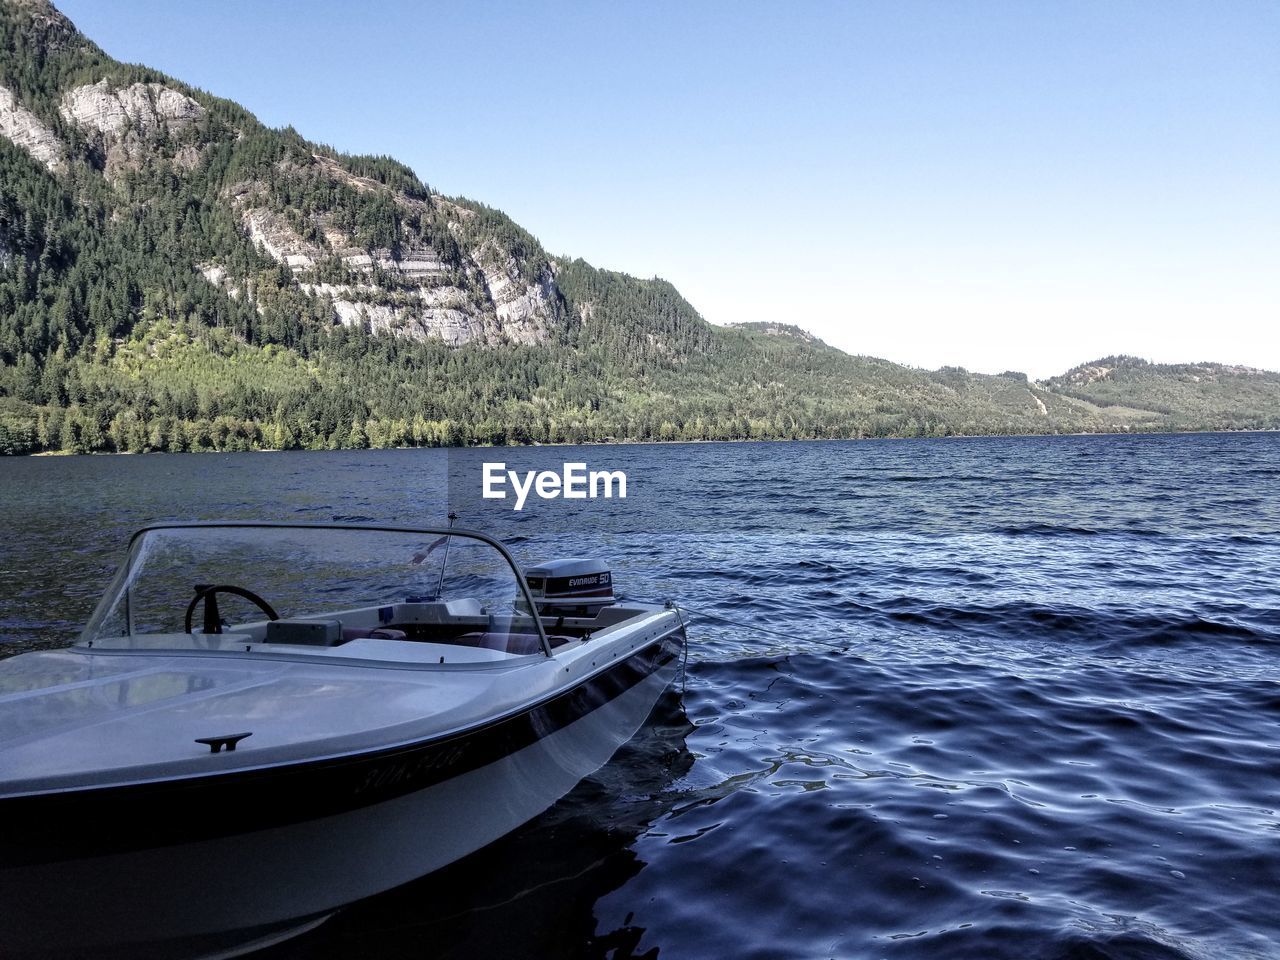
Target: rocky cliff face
524,311
418,321
134,125
26,130
512,314
481,296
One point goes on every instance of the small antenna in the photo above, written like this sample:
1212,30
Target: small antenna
445,562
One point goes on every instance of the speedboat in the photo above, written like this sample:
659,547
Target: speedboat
262,723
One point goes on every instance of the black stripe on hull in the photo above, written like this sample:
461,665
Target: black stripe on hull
80,824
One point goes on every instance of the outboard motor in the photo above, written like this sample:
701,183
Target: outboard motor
570,588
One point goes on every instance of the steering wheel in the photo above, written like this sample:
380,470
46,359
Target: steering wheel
209,594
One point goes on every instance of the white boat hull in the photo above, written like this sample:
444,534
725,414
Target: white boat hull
292,873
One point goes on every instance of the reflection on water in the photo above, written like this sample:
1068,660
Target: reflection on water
533,893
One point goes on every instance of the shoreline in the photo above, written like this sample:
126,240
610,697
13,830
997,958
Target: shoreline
656,443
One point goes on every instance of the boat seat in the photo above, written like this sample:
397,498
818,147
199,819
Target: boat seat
519,643
371,633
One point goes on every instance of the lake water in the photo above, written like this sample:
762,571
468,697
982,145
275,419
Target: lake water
998,698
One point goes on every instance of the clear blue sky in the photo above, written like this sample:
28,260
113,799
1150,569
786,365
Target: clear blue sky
995,185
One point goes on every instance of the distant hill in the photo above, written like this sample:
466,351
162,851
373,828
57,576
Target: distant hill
1184,393
176,276
777,330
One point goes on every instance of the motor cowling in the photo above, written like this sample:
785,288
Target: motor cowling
571,587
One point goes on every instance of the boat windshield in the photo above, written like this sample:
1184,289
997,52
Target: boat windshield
363,590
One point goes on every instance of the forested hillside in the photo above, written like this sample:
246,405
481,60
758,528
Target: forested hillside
176,276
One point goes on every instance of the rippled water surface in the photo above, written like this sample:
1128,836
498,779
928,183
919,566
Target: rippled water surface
1004,698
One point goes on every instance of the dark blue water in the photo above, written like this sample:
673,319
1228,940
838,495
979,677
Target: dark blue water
1018,698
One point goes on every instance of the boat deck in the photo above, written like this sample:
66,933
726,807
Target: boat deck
133,708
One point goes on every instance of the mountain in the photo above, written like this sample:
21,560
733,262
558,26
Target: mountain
176,276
